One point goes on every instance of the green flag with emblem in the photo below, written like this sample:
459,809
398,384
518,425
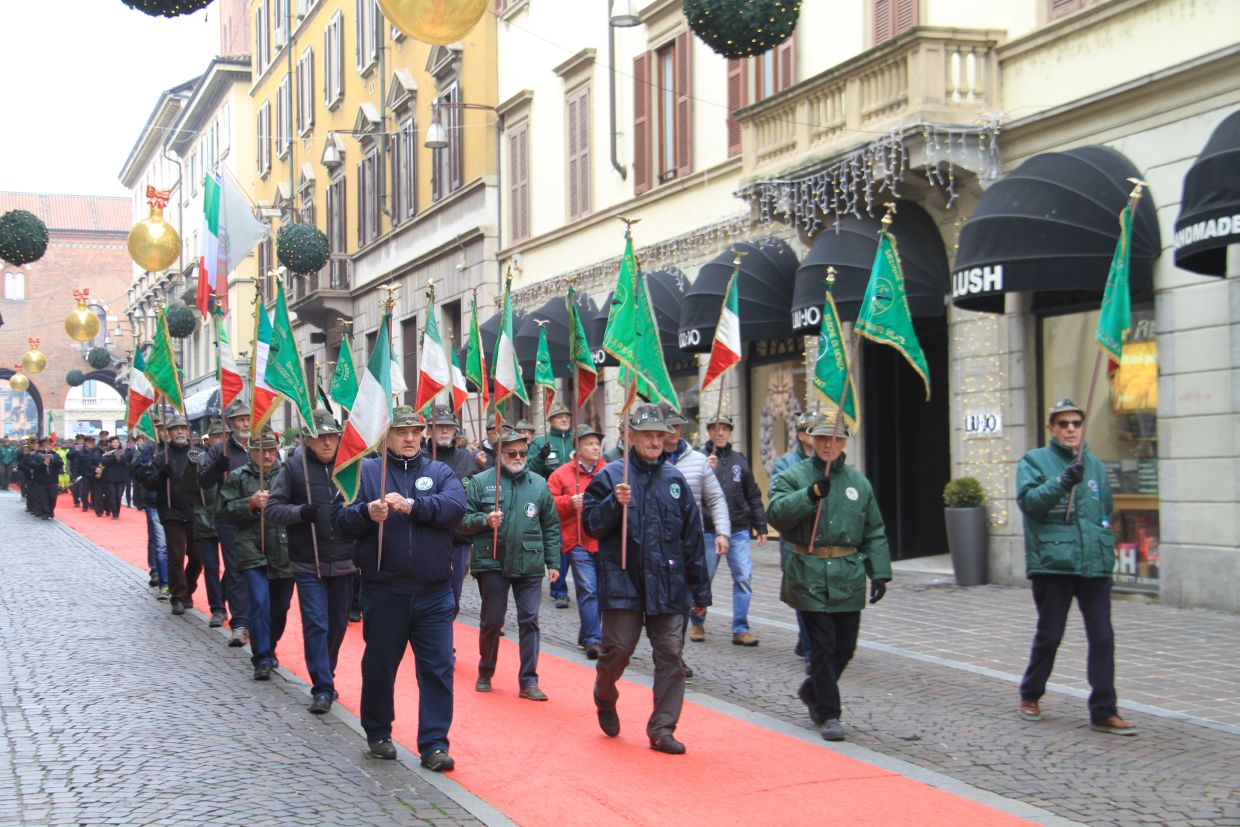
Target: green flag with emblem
1115,316
633,337
884,316
344,380
831,367
161,364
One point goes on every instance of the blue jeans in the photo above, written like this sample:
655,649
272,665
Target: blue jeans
324,603
560,587
156,546
269,602
236,594
390,621
209,550
460,566
742,573
585,579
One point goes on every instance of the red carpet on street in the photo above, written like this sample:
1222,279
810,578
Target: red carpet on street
548,763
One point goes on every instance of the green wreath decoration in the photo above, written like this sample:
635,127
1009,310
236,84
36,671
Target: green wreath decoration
302,248
182,322
74,378
167,8
98,358
742,28
23,237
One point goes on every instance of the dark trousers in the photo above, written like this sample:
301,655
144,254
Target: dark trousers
527,594
269,601
621,630
78,490
182,577
390,622
209,551
236,594
40,500
1053,594
324,604
460,567
87,489
832,642
110,502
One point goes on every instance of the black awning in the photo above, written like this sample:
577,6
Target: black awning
489,332
666,289
850,247
1209,217
764,289
554,311
1052,225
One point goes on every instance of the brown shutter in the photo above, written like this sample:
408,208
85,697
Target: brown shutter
574,182
786,63
518,186
641,123
524,154
1058,8
905,15
585,200
684,104
883,29
736,99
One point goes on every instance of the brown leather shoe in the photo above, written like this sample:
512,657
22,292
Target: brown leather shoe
745,639
697,634
533,693
1030,711
1114,725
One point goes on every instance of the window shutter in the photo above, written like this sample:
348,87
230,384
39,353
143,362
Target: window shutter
361,203
786,63
574,182
883,28
327,65
518,187
584,198
1058,8
308,95
905,15
641,123
359,28
684,104
736,99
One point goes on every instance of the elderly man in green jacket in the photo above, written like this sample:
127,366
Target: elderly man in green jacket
824,579
1069,553
529,547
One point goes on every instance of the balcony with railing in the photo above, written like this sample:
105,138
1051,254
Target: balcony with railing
319,297
925,75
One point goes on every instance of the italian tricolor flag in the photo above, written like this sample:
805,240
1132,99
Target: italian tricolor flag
231,383
141,394
726,350
507,370
459,391
263,405
434,373
370,417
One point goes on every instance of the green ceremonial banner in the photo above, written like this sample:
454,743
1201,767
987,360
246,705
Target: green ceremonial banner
632,336
579,357
831,366
475,361
1115,315
543,374
161,365
284,372
344,380
884,316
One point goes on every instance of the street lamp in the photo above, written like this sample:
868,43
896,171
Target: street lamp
436,135
623,14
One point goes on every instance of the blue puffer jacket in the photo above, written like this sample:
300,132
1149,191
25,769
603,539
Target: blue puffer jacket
666,572
417,547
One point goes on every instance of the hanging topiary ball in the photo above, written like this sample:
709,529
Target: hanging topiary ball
742,28
182,322
167,8
74,378
302,248
98,358
23,237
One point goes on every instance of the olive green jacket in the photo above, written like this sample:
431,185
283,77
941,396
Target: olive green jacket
234,504
529,536
561,443
850,517
1082,545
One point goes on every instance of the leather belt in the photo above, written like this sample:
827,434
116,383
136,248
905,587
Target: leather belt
827,551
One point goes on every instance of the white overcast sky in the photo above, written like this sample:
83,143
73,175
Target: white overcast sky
78,79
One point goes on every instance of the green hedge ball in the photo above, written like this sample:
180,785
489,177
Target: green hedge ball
302,248
167,8
98,358
74,378
742,28
182,322
23,237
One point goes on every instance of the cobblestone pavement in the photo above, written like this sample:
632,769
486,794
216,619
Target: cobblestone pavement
114,712
920,696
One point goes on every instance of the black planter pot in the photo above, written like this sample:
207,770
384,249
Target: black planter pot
967,540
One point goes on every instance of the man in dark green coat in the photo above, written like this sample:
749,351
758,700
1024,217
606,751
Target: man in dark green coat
1069,553
824,579
261,549
529,546
547,453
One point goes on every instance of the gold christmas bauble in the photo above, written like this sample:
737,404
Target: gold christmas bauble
19,383
81,324
153,243
33,361
439,22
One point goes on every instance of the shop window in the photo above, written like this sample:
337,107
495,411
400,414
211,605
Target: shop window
1122,430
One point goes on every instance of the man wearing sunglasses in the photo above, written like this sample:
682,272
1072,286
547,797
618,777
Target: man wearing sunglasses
527,528
1064,496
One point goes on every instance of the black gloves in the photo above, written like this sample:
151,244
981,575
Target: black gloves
819,488
1072,475
309,512
544,451
878,588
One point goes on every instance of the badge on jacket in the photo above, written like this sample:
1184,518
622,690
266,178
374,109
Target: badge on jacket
424,484
674,490
851,493
531,510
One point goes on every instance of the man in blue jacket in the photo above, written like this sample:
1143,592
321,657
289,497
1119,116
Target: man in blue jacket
1069,553
407,599
652,583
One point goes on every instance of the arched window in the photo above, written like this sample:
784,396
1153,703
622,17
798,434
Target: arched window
15,286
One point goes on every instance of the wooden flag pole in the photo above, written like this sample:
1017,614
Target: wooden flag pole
499,420
630,395
430,308
388,304
574,411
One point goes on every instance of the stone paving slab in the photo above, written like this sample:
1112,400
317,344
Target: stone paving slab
114,712
945,716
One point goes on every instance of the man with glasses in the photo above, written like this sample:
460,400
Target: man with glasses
1064,496
527,528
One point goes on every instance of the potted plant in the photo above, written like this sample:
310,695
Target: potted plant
965,513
